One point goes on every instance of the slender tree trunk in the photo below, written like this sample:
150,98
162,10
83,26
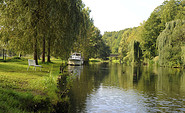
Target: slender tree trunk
43,53
3,54
35,50
49,45
20,55
35,55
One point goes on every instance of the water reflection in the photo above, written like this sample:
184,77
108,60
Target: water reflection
113,99
118,88
76,70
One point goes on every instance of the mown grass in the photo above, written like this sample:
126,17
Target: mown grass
28,91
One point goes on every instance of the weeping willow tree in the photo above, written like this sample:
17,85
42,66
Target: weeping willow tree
19,21
30,26
123,45
66,26
171,44
134,54
130,47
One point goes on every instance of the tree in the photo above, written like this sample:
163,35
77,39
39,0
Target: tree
152,29
171,44
181,10
98,49
103,51
66,27
113,39
169,11
29,24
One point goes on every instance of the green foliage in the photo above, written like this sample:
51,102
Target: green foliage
170,44
168,11
130,45
28,27
152,29
123,45
65,26
103,51
112,39
181,11
127,43
136,44
89,41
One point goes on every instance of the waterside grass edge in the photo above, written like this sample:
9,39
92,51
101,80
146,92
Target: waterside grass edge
28,91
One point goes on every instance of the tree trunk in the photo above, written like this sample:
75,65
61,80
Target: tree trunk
3,54
35,50
20,55
35,55
43,53
49,44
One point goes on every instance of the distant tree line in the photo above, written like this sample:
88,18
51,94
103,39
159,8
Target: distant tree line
160,38
49,28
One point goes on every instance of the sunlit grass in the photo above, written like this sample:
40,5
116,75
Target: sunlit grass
19,86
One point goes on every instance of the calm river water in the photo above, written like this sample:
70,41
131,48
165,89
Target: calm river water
115,88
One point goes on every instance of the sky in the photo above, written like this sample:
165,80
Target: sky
115,15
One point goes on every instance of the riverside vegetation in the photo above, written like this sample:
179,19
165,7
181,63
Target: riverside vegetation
32,91
160,39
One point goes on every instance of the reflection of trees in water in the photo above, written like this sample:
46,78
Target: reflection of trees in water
136,74
162,86
90,79
146,79
153,82
171,81
152,79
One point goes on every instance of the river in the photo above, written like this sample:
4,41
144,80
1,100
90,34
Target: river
115,88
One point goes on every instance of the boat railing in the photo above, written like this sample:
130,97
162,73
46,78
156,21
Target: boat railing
75,57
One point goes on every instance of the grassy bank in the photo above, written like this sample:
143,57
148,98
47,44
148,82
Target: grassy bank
28,91
94,60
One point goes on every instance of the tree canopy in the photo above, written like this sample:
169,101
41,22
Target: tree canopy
58,27
55,27
171,43
151,38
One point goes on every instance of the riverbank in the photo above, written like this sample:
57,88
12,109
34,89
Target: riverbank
28,91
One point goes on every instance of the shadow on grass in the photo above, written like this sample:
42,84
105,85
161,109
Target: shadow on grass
47,63
14,59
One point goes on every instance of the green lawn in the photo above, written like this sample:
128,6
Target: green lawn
28,91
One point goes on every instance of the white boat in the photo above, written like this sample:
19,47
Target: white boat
75,59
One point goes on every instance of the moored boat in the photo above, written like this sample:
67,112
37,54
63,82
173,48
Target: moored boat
75,59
